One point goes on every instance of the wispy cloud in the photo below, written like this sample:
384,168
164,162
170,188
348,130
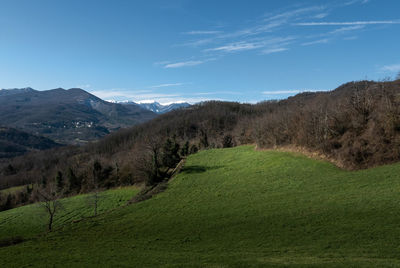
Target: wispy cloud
372,22
294,13
168,85
320,15
394,68
347,29
274,50
266,34
254,44
184,63
348,3
319,41
202,32
236,47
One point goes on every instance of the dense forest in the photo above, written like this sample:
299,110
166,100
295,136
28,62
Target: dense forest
356,126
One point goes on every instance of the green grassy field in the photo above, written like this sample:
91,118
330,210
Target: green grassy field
31,220
236,208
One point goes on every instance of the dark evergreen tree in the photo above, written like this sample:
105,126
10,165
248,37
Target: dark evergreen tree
170,156
43,182
185,149
9,170
74,181
59,181
193,149
29,189
97,169
204,140
227,141
8,203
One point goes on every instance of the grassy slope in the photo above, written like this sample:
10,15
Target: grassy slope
31,220
240,207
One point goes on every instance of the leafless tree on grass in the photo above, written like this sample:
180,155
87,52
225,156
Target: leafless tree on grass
50,202
96,179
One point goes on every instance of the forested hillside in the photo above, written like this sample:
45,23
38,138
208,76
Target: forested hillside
14,142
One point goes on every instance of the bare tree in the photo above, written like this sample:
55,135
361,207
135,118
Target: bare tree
398,76
50,202
147,160
96,176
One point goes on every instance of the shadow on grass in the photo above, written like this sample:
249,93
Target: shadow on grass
198,169
6,242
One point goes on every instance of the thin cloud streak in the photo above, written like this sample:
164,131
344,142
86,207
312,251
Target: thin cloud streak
320,41
347,29
293,13
236,47
184,64
250,45
348,23
168,85
391,68
255,37
274,50
202,32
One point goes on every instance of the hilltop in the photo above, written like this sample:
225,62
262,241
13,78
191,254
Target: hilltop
71,116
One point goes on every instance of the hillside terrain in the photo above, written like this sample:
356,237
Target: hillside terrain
14,142
71,116
356,126
235,207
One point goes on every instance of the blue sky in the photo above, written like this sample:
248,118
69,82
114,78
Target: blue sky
183,50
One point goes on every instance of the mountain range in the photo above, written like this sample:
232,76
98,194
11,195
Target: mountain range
71,116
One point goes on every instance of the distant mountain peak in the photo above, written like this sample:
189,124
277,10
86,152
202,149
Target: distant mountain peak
161,109
69,116
155,106
12,91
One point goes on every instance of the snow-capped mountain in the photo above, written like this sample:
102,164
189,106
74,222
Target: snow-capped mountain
159,108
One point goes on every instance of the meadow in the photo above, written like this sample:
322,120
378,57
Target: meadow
31,220
233,207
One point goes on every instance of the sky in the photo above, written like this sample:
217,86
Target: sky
186,50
